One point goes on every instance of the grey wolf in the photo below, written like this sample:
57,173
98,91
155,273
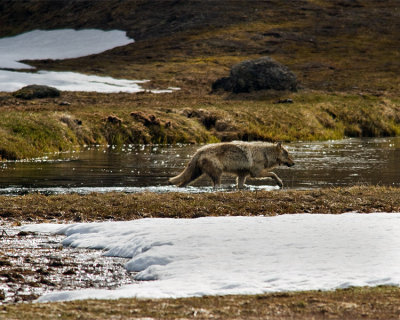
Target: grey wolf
243,159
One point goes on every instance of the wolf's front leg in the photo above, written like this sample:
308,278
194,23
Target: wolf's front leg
240,181
275,177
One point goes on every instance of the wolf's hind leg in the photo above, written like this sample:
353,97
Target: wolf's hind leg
216,181
213,170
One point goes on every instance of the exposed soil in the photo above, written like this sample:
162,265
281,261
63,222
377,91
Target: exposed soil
31,264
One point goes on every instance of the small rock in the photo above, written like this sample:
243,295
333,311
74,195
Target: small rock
69,272
285,101
36,91
4,262
46,282
113,120
23,234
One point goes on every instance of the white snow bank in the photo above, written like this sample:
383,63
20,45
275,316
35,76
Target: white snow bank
62,44
57,44
72,81
241,255
67,81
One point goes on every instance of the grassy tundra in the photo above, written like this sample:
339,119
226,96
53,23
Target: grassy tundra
343,55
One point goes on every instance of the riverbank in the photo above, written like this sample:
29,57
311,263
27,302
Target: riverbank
39,208
32,128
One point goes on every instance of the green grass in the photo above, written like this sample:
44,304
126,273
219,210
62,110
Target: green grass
33,128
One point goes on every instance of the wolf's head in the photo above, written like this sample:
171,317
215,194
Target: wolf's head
283,156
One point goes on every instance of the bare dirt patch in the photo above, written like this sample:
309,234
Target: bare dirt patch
32,264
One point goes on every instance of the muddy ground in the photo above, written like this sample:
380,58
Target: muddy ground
31,264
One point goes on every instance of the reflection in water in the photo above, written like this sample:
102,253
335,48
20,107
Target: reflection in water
140,168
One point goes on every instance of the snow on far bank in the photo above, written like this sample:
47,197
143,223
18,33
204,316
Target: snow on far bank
241,255
57,44
63,44
72,81
68,81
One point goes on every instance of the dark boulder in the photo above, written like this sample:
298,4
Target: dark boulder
260,74
36,91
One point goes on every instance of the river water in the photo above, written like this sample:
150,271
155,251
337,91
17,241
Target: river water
147,168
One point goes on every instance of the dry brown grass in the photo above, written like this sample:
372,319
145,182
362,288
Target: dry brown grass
120,206
353,303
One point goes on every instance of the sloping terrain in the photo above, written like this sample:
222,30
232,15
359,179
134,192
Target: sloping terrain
344,54
330,45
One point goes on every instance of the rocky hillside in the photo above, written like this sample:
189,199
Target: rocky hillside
330,45
143,19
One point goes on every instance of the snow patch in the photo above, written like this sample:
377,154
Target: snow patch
241,255
67,81
63,44
57,44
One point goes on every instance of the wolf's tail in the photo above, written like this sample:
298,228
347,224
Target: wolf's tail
191,172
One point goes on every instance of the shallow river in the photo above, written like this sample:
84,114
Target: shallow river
139,168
